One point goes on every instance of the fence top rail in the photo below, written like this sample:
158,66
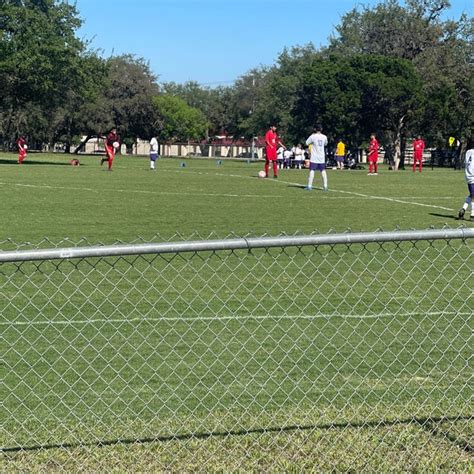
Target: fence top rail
234,244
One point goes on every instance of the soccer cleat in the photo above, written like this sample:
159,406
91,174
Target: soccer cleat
275,177
102,161
461,214
376,174
325,189
308,188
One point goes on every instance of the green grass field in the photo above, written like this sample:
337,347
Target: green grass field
329,358
48,198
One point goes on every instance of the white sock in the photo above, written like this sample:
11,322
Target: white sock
152,165
466,203
325,178
310,179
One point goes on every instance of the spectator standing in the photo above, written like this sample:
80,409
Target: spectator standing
298,154
280,157
340,154
287,154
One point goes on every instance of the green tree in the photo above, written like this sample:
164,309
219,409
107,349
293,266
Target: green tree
40,59
350,95
212,102
130,90
441,52
86,111
180,122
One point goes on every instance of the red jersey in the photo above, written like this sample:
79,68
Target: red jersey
21,142
111,138
271,140
418,147
373,149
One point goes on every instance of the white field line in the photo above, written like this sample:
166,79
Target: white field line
227,318
352,193
381,198
136,191
399,201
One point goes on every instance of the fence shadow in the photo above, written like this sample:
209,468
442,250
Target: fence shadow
430,425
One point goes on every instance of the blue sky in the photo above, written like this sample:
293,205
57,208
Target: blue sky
213,41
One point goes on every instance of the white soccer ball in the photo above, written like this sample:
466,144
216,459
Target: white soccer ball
261,174
116,144
25,146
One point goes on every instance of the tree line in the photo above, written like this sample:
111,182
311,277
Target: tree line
393,70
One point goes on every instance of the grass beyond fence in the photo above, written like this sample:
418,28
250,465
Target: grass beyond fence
330,357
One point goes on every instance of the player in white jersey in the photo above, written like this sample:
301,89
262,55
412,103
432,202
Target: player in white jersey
298,154
317,161
469,172
153,152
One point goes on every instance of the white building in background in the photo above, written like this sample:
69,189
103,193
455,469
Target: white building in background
142,148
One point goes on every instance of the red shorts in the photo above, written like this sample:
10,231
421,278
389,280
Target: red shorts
418,157
373,159
271,154
109,152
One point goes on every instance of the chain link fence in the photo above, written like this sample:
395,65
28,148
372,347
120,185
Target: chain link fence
324,352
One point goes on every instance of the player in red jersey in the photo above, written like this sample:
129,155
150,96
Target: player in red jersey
21,142
373,155
271,142
418,147
111,139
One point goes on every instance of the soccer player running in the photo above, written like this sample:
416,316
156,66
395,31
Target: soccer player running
21,142
153,152
271,142
373,156
418,147
317,142
469,172
111,138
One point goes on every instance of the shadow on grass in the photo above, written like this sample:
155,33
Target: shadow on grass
430,425
5,161
298,186
446,216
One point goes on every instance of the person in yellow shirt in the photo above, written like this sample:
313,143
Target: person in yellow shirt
340,154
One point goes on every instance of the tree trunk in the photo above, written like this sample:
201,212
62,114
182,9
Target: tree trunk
82,144
398,143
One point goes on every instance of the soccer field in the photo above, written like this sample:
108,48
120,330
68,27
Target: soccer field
46,197
313,358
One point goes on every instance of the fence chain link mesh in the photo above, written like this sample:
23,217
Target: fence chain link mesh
346,356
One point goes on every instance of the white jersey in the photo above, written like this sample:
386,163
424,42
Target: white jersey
470,166
153,145
280,153
298,152
317,141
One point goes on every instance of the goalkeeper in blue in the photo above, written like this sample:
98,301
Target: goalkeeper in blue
470,181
